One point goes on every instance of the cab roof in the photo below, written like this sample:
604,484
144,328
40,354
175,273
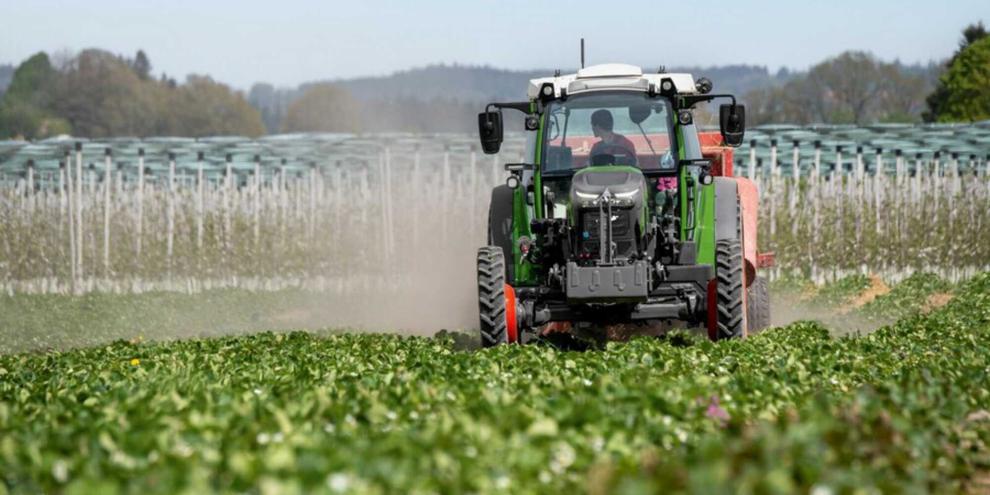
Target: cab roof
609,77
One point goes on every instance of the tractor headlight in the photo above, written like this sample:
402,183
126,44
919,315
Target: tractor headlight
627,194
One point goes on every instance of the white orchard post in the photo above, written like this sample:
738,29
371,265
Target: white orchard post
796,160
898,195
256,199
382,203
119,182
62,185
936,179
878,162
920,170
773,193
388,203
795,188
899,166
200,187
280,200
228,180
816,169
878,182
773,158
954,185
29,193
297,211
79,213
836,180
30,184
751,169
107,188
311,216
838,167
71,211
170,214
816,193
139,228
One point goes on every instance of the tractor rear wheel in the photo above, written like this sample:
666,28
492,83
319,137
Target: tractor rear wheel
758,305
496,299
730,291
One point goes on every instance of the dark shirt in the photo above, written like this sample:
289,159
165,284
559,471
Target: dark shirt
613,148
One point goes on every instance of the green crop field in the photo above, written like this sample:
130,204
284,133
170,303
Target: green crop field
903,409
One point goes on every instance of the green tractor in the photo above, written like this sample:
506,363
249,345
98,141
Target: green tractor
622,214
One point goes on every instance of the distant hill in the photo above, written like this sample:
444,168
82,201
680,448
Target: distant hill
445,97
6,75
486,83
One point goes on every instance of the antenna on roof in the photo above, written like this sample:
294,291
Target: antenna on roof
582,53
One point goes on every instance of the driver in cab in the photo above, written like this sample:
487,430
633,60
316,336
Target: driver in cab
611,143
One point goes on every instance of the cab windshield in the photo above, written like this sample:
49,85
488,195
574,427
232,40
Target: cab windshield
620,128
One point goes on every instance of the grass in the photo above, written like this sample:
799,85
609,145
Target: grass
903,409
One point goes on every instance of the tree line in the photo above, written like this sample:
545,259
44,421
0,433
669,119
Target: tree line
857,88
97,94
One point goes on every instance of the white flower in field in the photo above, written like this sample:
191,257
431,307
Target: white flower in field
821,490
545,477
263,438
329,428
339,482
278,437
182,449
60,471
502,482
563,457
257,391
598,443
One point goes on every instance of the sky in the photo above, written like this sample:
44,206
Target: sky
287,42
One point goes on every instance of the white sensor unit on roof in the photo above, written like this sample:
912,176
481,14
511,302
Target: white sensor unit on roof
610,70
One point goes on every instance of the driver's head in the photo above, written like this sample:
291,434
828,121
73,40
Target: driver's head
601,121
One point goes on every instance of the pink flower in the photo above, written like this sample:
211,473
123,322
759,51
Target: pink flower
666,183
716,412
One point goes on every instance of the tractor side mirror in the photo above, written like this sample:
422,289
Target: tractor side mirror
732,123
490,131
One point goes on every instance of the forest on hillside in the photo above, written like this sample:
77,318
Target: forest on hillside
95,93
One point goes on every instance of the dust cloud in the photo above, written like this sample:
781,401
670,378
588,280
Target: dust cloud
788,308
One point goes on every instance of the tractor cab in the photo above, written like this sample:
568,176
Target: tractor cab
606,134
614,216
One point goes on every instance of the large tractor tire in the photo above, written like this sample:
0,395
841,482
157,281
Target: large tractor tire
730,292
500,225
758,305
496,299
